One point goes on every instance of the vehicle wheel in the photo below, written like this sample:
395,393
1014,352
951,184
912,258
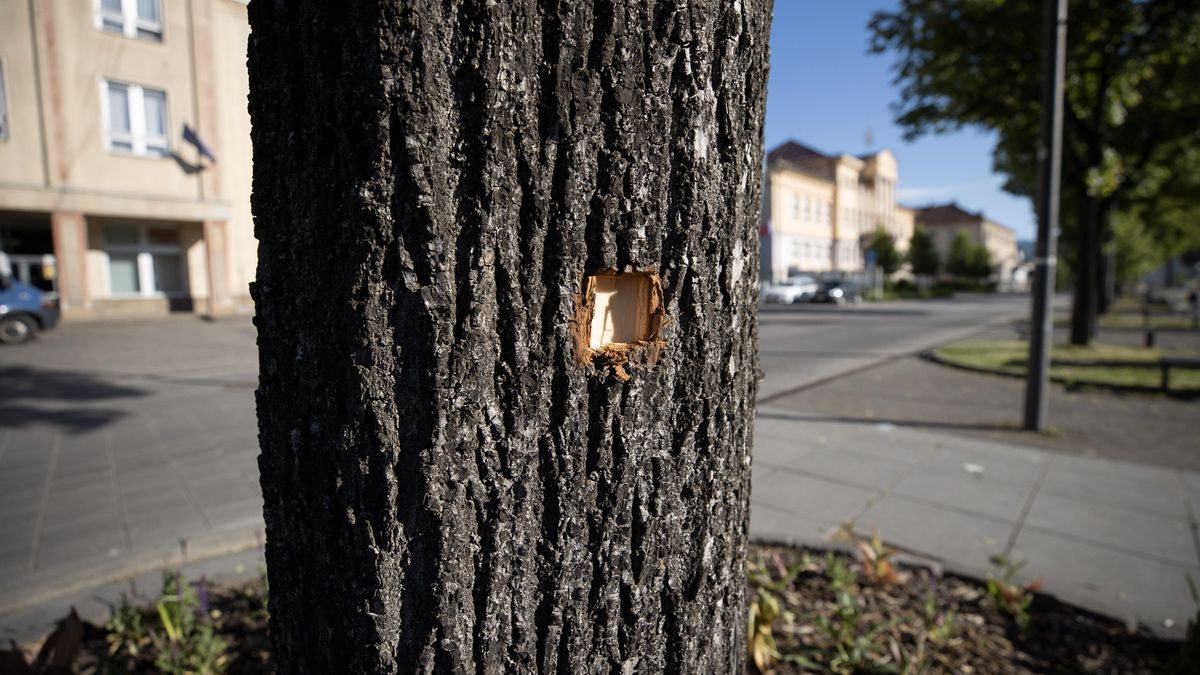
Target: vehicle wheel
16,329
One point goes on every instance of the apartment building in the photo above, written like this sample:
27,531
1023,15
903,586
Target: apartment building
125,153
820,210
944,221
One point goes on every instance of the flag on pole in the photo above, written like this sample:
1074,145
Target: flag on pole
190,135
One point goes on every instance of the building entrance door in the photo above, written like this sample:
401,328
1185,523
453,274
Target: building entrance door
27,240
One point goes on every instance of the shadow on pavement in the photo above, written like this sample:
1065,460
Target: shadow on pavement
840,311
908,424
22,386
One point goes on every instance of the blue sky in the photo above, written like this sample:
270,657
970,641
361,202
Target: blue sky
828,92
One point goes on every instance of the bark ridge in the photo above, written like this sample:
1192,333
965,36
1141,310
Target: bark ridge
446,487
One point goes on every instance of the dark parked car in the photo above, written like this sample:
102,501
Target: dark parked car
838,291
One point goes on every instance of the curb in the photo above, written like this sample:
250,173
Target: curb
197,549
1070,384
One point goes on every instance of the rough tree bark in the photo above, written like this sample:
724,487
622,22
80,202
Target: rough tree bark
448,485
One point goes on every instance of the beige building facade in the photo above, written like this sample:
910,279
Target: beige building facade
102,198
820,210
944,221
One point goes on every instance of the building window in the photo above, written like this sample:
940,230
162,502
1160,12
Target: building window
135,119
131,18
3,105
795,207
144,260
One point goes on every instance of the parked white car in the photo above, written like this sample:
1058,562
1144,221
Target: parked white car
791,290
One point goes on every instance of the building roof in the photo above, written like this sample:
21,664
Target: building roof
791,151
943,214
953,214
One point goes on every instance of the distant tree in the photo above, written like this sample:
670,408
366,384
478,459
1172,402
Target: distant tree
887,258
981,262
968,260
923,255
1132,104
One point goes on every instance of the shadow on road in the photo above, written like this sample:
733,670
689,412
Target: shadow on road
21,387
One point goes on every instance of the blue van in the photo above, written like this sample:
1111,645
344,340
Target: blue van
24,309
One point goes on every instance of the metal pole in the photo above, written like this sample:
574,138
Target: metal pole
1050,164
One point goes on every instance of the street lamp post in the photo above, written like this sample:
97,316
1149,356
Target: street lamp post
1050,163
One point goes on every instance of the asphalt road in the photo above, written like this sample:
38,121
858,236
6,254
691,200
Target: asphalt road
800,345
120,441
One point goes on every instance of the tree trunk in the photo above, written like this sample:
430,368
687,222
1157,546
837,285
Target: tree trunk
453,480
1087,280
1106,272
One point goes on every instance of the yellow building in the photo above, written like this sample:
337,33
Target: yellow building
944,221
101,196
906,220
820,211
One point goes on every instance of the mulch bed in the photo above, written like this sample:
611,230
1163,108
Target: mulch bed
833,612
920,621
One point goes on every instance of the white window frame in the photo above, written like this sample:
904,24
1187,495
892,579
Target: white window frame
129,19
138,137
4,122
144,250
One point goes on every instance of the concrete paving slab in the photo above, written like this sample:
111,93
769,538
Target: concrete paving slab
981,495
1104,483
94,604
883,441
1113,582
997,462
964,542
779,453
78,521
1191,488
846,466
781,526
814,499
1151,535
74,479
210,493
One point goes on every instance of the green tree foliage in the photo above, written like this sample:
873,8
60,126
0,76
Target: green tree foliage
981,263
967,260
961,259
1132,117
887,258
923,255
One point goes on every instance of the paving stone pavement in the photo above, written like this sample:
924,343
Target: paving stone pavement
119,455
113,449
1116,537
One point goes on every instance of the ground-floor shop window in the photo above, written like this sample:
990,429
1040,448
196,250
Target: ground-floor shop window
144,260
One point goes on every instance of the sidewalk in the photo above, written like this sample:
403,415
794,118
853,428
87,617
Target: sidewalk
116,444
1115,537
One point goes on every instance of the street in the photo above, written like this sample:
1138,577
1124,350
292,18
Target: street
803,344
128,446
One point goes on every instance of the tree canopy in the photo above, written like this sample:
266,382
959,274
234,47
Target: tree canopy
923,255
1132,113
968,260
887,258
1132,104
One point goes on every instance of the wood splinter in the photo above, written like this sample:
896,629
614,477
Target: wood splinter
619,320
